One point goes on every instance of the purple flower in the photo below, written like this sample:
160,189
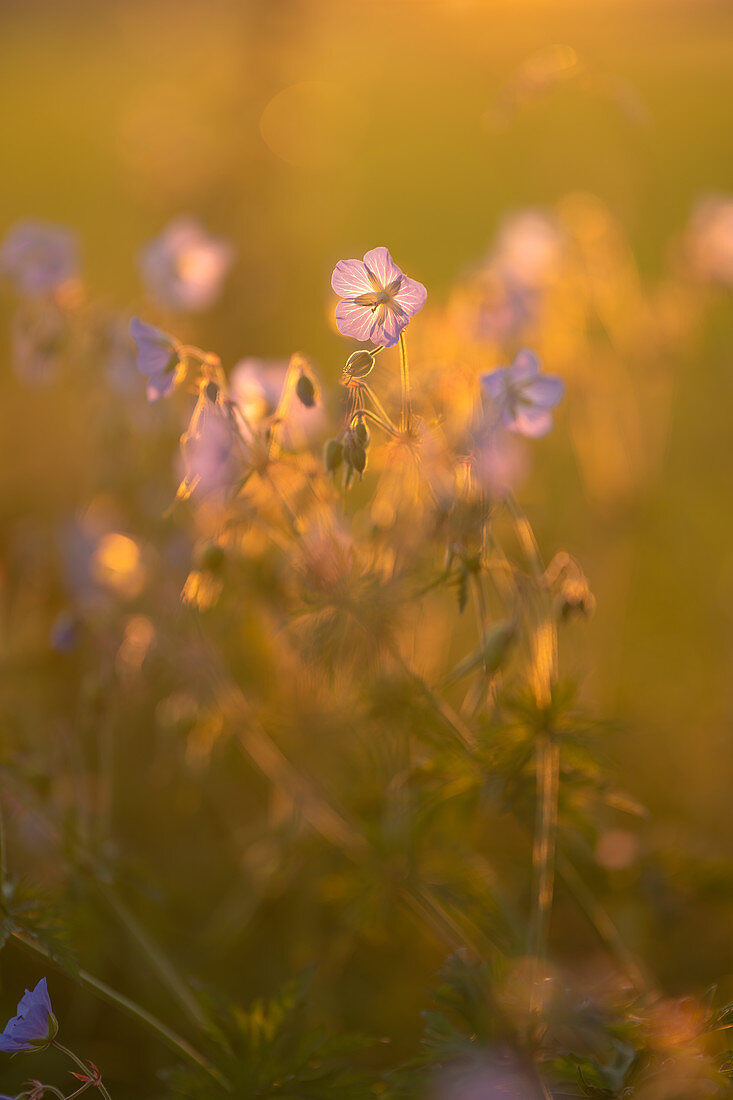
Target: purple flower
35,1025
39,257
378,300
208,446
522,397
184,267
157,357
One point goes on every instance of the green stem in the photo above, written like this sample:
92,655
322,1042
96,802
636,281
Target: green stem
406,420
86,1069
118,1000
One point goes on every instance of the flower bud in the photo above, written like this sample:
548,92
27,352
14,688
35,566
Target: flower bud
333,455
362,433
306,391
354,452
359,364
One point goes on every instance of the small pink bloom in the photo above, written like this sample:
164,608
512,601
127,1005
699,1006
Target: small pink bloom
184,268
377,299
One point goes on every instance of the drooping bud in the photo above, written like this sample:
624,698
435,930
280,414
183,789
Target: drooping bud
354,452
359,364
306,391
362,433
333,455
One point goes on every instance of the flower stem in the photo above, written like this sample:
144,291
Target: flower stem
176,1042
82,1066
406,419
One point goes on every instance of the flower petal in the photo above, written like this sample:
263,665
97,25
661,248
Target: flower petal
533,423
495,383
354,320
526,365
543,392
411,296
381,265
389,326
350,279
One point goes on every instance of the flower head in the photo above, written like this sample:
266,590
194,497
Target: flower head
35,1025
39,256
157,357
377,299
184,267
523,398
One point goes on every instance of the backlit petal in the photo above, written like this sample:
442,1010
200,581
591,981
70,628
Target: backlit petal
411,296
354,320
350,279
381,264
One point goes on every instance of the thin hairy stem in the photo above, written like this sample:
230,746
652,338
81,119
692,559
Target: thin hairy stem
406,418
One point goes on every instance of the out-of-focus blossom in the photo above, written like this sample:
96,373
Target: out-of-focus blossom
64,633
35,1025
501,462
378,299
488,1078
522,397
39,257
157,357
184,268
528,249
710,239
209,446
257,388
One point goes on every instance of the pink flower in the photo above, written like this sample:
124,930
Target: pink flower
378,300
184,268
523,398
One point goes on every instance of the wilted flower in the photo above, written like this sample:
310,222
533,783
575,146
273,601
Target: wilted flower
35,1026
39,256
157,357
522,397
378,300
184,267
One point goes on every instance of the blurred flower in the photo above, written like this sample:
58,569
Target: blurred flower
527,249
208,446
35,1025
498,1077
523,398
64,633
258,388
710,239
378,300
500,462
39,257
184,267
157,357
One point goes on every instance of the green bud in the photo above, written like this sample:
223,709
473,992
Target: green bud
333,455
306,391
360,364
